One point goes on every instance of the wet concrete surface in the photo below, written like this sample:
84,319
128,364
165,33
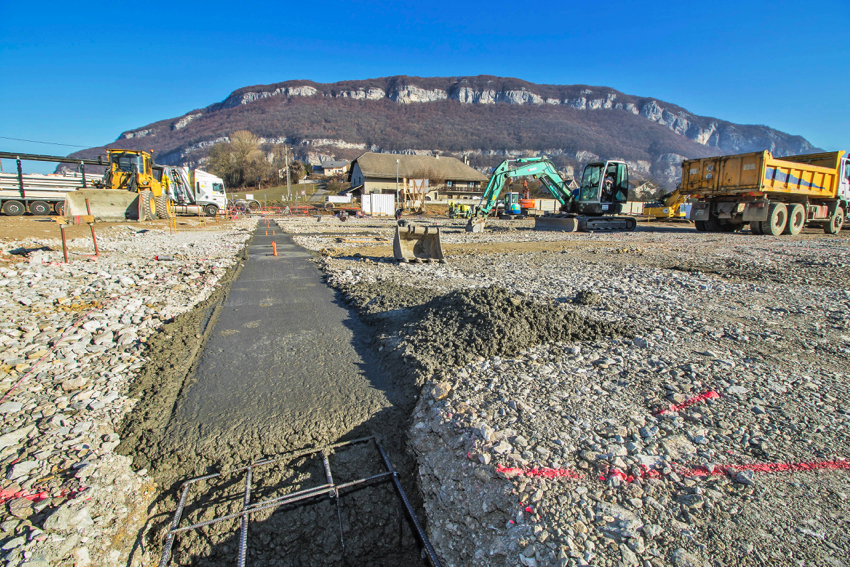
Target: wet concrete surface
283,366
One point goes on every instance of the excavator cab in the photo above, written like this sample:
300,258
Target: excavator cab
604,188
512,208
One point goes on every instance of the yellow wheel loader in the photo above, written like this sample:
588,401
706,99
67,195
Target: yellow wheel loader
132,189
669,207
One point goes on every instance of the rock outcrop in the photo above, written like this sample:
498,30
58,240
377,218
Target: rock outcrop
485,116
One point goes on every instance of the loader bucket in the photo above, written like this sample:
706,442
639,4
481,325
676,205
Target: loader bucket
105,204
417,244
475,224
556,222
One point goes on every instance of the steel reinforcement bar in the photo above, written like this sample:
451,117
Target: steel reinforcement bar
330,489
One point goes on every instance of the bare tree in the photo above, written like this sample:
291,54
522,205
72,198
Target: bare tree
239,161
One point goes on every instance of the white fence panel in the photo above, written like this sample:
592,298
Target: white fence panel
376,204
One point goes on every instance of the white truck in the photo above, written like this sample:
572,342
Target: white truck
41,194
193,191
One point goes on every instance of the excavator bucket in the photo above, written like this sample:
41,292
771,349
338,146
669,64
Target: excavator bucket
105,204
417,244
556,222
475,224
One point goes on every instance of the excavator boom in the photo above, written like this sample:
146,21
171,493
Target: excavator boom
540,168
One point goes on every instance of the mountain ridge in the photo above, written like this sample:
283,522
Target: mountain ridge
484,118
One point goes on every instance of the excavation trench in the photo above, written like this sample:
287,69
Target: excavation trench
278,361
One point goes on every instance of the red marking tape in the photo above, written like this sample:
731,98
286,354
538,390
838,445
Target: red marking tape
6,495
710,395
543,472
721,469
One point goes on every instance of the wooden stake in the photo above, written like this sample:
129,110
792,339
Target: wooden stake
64,242
94,239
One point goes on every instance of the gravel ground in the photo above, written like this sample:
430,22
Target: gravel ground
72,339
653,398
713,430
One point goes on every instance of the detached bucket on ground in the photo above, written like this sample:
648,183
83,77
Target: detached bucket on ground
418,244
106,205
475,224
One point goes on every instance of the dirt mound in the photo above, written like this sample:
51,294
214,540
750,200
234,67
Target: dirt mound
587,297
431,331
458,327
381,299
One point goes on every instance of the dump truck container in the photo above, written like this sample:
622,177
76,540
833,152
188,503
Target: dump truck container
772,195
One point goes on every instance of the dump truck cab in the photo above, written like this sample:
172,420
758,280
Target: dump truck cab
604,188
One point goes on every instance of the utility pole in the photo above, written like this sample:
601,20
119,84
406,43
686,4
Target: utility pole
396,183
288,190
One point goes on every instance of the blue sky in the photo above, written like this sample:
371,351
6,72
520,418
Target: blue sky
80,74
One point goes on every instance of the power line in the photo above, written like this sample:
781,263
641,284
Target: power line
37,142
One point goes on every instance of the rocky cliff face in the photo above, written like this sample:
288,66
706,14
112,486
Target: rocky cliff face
594,122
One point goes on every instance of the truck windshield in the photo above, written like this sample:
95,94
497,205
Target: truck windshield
218,187
126,162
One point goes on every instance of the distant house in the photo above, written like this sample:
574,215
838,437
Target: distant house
446,177
331,167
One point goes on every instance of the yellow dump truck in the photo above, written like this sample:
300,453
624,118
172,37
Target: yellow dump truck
772,195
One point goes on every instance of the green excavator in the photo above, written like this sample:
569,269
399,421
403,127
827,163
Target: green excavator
595,206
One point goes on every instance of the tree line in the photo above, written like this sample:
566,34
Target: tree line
245,161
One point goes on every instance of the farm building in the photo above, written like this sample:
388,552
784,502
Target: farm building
444,177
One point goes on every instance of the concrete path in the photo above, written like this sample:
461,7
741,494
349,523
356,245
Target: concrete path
285,365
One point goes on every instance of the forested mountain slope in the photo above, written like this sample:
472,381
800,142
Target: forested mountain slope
485,118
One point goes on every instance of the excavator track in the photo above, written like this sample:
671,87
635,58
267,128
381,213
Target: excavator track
574,223
607,224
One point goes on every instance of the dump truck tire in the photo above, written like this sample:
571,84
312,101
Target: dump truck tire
712,224
699,225
755,227
796,219
14,208
59,208
777,218
147,206
835,222
39,208
211,210
162,206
